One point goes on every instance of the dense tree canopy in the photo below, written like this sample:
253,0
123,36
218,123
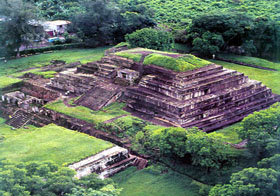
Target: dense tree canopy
204,150
47,179
19,26
249,182
150,38
261,129
105,22
214,32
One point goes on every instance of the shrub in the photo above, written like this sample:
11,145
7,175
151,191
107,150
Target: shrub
150,38
49,48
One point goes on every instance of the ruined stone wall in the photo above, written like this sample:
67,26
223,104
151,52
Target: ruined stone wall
39,92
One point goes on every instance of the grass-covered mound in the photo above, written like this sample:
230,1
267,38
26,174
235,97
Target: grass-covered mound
135,57
51,142
169,60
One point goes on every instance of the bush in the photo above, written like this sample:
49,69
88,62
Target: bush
150,38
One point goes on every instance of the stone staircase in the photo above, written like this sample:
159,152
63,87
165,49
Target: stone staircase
100,69
19,119
99,96
208,98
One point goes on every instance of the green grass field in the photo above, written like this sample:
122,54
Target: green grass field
51,142
269,78
146,183
8,81
86,114
73,55
252,61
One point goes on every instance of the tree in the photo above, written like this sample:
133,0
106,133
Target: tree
20,25
207,151
170,141
150,38
262,129
47,179
107,22
204,150
97,24
250,182
208,44
271,162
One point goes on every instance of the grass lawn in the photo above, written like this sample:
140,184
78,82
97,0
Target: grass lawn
86,114
51,142
8,81
229,134
83,55
269,78
252,61
146,183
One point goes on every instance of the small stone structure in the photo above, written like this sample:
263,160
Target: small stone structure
26,102
128,75
105,163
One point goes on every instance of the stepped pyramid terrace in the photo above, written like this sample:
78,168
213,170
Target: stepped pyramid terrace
194,92
166,88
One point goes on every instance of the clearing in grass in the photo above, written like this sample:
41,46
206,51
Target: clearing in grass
150,182
49,143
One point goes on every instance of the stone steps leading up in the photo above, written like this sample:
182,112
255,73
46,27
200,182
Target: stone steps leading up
197,87
99,96
203,99
238,112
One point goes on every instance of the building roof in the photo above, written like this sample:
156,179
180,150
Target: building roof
57,22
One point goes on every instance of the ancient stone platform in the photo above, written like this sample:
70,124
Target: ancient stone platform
209,98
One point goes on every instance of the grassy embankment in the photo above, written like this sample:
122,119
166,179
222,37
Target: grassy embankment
51,142
17,67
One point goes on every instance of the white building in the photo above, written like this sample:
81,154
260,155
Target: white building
57,27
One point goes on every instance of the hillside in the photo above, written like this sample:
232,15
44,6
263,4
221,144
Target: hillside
180,12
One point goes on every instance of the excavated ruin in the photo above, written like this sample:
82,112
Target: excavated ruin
208,97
